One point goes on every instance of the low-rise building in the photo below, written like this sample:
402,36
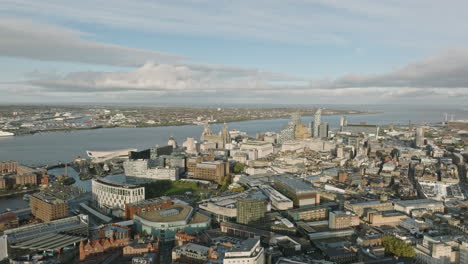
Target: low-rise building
407,206
390,218
342,220
248,252
432,251
302,193
308,213
146,206
190,253
278,200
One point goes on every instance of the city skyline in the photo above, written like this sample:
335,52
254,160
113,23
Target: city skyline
255,53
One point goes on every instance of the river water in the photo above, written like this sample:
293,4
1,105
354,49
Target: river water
53,147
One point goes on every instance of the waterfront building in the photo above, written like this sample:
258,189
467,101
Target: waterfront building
8,220
102,156
220,139
342,220
47,207
323,130
7,167
24,179
191,146
248,252
167,222
317,122
250,210
172,142
154,204
151,153
108,195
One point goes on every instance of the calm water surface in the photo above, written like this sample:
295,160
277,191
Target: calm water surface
54,147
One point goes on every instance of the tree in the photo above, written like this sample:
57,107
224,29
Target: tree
397,247
239,167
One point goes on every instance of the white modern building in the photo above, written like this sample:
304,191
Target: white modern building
108,195
102,156
140,171
262,148
249,252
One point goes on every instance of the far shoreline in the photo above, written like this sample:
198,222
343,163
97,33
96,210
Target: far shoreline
29,133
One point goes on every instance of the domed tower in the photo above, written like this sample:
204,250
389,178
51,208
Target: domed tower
172,142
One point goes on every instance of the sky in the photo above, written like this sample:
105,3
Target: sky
234,52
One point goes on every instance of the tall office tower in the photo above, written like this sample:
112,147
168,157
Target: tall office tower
251,210
317,121
343,123
419,139
323,130
311,128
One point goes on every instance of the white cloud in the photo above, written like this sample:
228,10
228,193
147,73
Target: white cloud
449,70
444,76
160,78
33,40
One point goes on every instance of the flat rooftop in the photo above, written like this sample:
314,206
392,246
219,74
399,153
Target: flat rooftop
176,212
419,202
116,184
295,183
